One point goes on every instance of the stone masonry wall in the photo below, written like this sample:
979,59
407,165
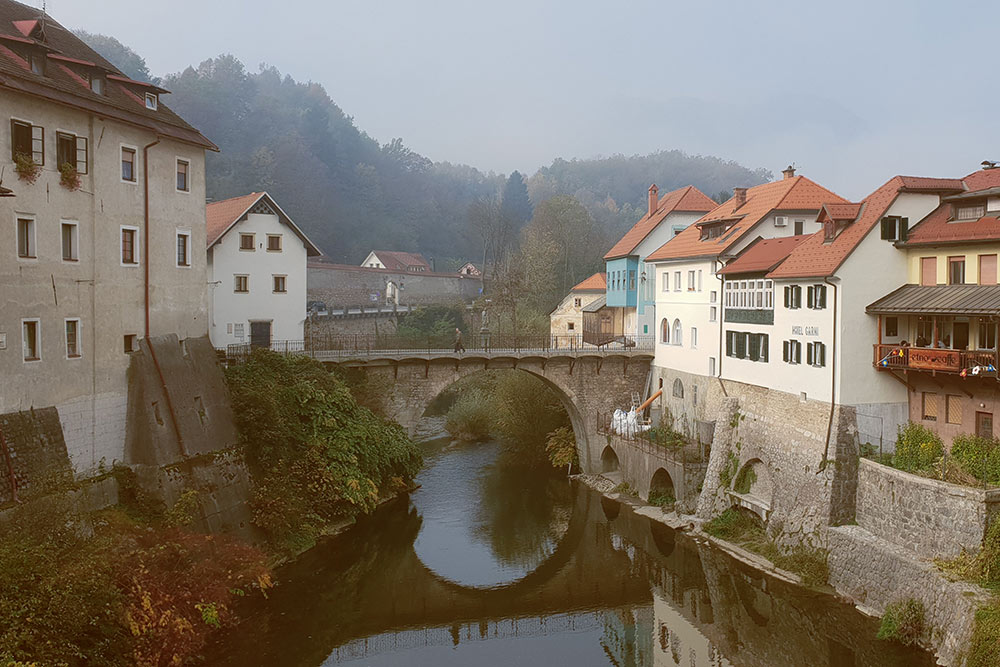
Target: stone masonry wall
37,451
339,285
872,573
927,517
367,325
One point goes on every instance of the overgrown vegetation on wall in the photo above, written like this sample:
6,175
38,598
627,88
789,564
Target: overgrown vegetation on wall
972,461
903,621
119,587
315,455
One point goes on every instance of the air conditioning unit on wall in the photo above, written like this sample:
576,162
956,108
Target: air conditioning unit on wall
780,221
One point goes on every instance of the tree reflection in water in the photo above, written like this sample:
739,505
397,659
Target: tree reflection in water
523,512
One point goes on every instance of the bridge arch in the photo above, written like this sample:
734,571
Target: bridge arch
609,460
661,485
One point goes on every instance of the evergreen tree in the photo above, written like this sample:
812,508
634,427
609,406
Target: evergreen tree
515,205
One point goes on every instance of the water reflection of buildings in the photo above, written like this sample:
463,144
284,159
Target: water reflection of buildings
678,641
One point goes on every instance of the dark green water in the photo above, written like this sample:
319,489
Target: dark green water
490,563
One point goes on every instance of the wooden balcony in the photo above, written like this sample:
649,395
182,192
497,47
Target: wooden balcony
933,359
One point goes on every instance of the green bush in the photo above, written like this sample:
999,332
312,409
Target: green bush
745,480
470,416
661,498
985,644
978,456
561,448
735,525
917,448
903,621
315,455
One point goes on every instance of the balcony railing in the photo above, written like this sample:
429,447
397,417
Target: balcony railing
934,359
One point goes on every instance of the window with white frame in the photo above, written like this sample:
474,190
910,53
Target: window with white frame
699,280
152,101
694,337
73,338
791,351
71,150
241,284
793,296
713,313
666,281
665,331
128,164
26,237
184,249
279,284
691,281
711,366
27,141
31,339
816,297
70,237
816,354
129,246
749,294
238,330
183,175
677,281
678,333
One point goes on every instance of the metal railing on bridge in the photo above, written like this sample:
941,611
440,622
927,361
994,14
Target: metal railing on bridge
354,345
674,445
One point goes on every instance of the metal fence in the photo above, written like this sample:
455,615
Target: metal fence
358,344
676,446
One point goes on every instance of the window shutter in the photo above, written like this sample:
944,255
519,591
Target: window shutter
729,343
798,352
786,296
820,296
81,155
821,354
762,339
785,353
38,144
904,228
809,353
811,297
888,229
754,347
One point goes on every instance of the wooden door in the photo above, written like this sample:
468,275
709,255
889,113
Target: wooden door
260,334
984,424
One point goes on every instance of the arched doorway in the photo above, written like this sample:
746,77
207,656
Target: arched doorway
609,460
661,488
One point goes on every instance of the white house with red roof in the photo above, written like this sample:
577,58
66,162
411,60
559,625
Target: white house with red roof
103,216
566,320
630,297
257,272
396,261
688,291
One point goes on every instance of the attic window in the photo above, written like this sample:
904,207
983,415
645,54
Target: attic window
973,212
829,230
715,230
152,101
97,85
38,64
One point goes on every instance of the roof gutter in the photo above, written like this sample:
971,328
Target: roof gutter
833,379
145,261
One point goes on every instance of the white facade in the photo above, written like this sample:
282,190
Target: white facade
846,373
373,262
263,289
674,223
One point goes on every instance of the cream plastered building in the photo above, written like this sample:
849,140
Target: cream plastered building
86,271
566,321
257,272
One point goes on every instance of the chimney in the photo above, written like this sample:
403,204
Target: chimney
740,195
653,199
789,172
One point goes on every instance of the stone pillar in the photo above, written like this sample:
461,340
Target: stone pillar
713,498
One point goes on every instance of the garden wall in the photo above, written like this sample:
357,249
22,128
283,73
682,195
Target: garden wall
927,517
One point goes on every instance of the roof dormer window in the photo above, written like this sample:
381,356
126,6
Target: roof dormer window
970,211
152,101
38,64
97,85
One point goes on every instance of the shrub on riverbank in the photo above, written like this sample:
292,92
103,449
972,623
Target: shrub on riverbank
315,455
744,529
903,621
109,589
917,448
471,416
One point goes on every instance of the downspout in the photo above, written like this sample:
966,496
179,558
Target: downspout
833,379
145,253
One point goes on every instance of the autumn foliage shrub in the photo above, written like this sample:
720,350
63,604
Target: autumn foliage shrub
316,456
917,448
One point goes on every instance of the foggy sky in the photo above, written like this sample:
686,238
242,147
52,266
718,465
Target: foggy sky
851,92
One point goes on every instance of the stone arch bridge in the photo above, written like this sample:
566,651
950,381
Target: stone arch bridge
590,381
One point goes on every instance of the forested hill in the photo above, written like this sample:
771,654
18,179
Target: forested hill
351,194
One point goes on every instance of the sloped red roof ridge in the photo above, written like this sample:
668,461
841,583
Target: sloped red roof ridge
763,255
790,194
60,86
595,283
818,258
688,198
839,212
401,260
939,228
220,217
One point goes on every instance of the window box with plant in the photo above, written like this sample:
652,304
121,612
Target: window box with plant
69,177
27,169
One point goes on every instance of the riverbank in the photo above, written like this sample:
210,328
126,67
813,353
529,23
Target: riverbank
865,572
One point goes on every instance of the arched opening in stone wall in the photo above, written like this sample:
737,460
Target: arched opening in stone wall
754,480
609,460
661,488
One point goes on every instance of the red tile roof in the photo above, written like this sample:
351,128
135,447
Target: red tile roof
595,283
925,184
762,255
838,212
688,198
398,261
220,217
797,193
62,85
938,227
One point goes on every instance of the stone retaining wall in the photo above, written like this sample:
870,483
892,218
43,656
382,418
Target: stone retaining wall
927,517
873,574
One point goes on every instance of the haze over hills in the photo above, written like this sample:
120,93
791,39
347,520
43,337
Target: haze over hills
351,193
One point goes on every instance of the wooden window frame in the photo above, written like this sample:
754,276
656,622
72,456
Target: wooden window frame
274,283
924,415
187,175
80,158
253,242
237,278
186,235
37,339
135,245
267,245
74,240
956,260
36,145
76,333
123,149
31,245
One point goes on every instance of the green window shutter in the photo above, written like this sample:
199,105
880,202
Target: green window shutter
754,347
820,354
729,343
785,352
786,296
762,339
811,297
904,228
820,296
809,353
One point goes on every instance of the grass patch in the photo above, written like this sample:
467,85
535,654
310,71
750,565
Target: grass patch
985,644
625,488
661,498
903,621
744,529
745,480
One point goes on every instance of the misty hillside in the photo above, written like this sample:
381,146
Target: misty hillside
351,194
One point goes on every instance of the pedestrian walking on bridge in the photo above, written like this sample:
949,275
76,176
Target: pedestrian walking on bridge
458,340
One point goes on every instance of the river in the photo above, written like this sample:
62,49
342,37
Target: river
491,563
